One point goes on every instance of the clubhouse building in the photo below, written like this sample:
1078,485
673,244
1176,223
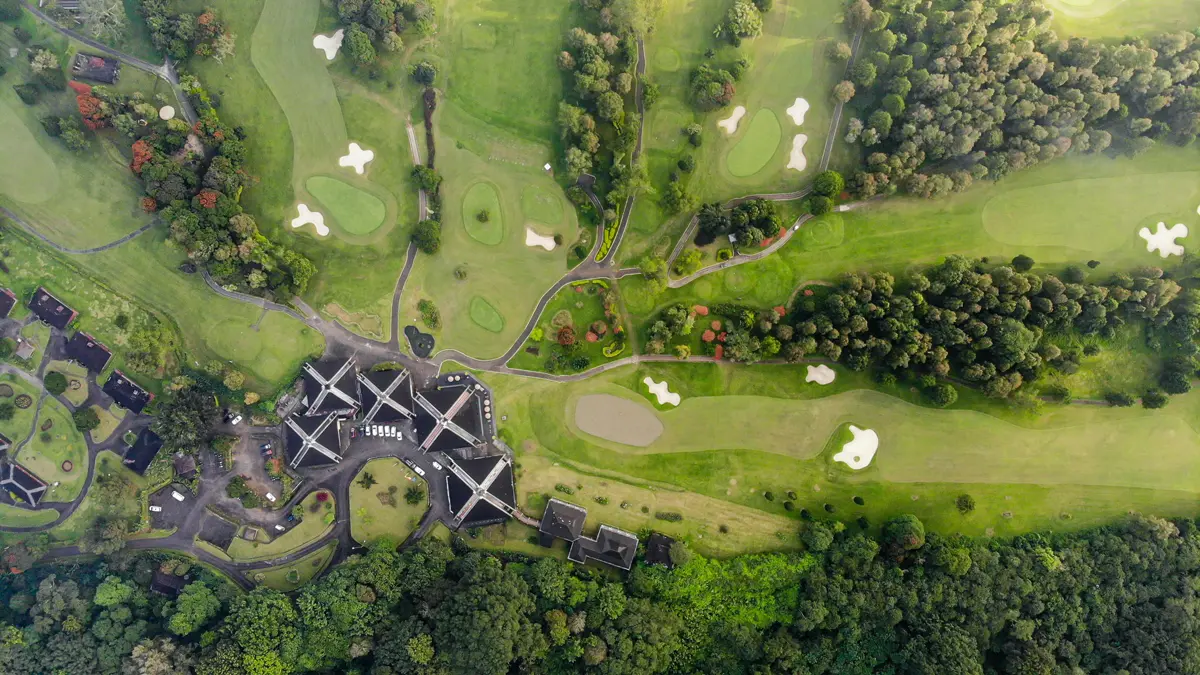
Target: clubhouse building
612,546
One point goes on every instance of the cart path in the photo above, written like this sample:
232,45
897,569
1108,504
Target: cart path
24,225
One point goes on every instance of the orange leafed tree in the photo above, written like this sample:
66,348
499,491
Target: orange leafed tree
142,152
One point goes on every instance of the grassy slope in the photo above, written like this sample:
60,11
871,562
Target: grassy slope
1118,18
311,527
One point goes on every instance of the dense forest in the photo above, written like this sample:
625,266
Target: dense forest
1119,600
949,93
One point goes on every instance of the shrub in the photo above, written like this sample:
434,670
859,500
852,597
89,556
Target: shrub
460,272
830,508
817,537
415,494
56,383
860,501
905,532
428,236
430,315
769,496
724,254
7,411
1154,398
788,506
1119,399
1093,264
829,183
820,205
28,93
669,516
943,395
863,522
805,515
601,500
1022,263
885,378
686,164
565,489
965,504
791,494
424,73
483,216
566,336
85,419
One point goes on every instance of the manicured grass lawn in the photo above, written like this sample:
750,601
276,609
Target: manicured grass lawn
510,276
482,199
486,316
371,517
585,308
109,419
311,527
17,428
353,210
742,431
1119,18
757,146
288,578
47,450
541,205
74,373
15,516
108,465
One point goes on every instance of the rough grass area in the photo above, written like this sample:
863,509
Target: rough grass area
109,419
353,210
1119,18
1072,467
481,214
310,528
373,515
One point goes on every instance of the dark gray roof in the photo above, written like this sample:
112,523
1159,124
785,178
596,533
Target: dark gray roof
50,309
142,452
658,550
563,520
8,300
312,441
492,478
387,396
331,386
95,67
611,546
127,393
167,584
88,352
450,418
21,482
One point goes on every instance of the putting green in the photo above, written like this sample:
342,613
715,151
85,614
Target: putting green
355,211
667,59
482,197
827,231
541,205
1092,214
33,179
485,315
757,146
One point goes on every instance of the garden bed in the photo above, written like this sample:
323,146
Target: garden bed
582,326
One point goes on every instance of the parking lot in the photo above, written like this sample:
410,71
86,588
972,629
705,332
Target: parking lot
173,512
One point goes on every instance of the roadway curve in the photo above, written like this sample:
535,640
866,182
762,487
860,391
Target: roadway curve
75,251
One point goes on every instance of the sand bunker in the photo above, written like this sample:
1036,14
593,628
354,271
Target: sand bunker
798,161
797,111
534,239
858,453
730,124
1163,240
661,391
329,44
357,158
821,374
314,218
616,419
166,113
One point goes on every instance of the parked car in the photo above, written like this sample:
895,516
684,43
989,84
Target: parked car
176,496
437,466
265,446
236,420
419,470
270,497
291,517
353,432
280,528
156,509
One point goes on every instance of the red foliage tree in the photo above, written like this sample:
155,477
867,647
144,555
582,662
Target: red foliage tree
566,336
91,109
80,88
716,325
780,310
149,205
208,198
142,152
708,336
591,337
700,310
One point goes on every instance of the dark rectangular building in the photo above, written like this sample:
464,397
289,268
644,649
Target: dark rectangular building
142,452
8,300
126,393
88,352
50,310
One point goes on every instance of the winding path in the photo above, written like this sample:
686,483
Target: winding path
75,251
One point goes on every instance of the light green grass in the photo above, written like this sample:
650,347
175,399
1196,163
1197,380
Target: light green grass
310,528
485,315
108,464
108,423
482,198
541,205
353,210
1120,18
17,428
286,578
371,518
758,145
45,457
15,516
74,373
1083,461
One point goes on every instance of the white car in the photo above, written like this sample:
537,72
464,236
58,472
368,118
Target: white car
176,496
156,509
391,432
270,497
419,470
280,528
437,466
375,431
236,420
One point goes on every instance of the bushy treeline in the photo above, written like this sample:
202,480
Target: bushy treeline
954,92
180,35
382,22
1111,600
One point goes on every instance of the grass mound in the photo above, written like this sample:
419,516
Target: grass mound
825,232
540,205
483,198
667,59
354,210
757,147
485,315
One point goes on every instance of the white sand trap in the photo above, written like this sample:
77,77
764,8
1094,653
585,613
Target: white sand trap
797,111
357,158
329,44
1163,240
798,161
858,453
534,239
661,391
821,374
314,218
166,113
730,124
616,419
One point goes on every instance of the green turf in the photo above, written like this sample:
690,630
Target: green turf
372,518
584,303
310,528
353,210
44,455
485,315
286,578
758,145
1120,18
15,516
480,198
541,205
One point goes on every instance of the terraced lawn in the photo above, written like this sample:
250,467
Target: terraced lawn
381,509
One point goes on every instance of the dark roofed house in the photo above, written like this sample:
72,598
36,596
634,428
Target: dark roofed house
387,396
50,310
481,491
142,452
611,546
17,480
451,418
658,550
313,441
185,465
561,521
96,68
8,300
127,393
87,352
331,386
167,584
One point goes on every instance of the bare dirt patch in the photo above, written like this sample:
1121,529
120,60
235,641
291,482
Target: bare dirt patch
616,419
